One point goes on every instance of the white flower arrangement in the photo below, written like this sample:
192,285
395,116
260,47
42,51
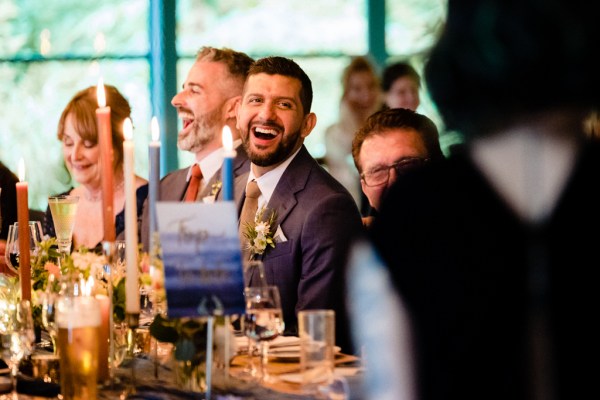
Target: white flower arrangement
260,235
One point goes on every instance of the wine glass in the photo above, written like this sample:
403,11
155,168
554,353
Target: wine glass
63,209
254,275
37,236
12,248
263,321
11,251
49,310
16,330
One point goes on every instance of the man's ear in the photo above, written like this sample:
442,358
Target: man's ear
231,106
309,122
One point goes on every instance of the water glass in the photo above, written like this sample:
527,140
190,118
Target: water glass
316,329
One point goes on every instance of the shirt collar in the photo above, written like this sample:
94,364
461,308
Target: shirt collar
268,182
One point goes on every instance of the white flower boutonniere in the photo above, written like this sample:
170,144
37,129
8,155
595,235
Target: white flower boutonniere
214,189
260,235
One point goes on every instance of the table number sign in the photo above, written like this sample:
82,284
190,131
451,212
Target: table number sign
202,258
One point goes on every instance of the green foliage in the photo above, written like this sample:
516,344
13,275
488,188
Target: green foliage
119,301
186,334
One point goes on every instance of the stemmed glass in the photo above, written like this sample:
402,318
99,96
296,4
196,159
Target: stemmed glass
63,210
16,329
49,310
254,275
12,249
263,321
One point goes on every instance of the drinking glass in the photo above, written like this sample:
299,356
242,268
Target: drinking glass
16,329
63,210
12,248
263,321
78,318
254,275
49,311
37,236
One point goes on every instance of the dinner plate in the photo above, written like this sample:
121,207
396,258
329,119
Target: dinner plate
296,377
278,342
292,353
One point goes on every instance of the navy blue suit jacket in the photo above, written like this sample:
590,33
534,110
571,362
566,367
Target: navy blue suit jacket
319,218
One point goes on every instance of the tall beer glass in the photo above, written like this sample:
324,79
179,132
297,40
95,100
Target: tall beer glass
78,321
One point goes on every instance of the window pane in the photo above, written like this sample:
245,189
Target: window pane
273,27
32,104
70,27
411,25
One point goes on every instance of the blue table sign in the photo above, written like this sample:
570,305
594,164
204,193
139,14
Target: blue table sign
202,258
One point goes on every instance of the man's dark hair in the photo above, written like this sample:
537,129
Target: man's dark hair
395,118
286,67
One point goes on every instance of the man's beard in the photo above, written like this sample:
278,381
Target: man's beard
202,133
284,149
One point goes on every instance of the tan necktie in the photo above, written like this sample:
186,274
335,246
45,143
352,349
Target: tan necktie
194,185
248,213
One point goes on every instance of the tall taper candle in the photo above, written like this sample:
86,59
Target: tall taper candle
132,291
106,163
228,156
153,177
23,219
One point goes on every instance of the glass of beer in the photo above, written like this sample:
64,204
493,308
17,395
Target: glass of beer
78,320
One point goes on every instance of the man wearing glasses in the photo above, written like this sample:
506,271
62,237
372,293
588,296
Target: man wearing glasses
390,143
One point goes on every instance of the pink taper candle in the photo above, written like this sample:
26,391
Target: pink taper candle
106,163
23,219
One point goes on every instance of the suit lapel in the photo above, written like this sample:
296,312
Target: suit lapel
292,181
239,190
174,185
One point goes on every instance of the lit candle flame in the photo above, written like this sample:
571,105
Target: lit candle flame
227,139
21,169
100,93
155,129
127,129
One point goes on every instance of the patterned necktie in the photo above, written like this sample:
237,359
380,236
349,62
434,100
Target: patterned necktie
192,190
248,213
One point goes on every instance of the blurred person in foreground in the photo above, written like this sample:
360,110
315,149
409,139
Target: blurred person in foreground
490,251
78,133
205,105
315,218
389,144
401,83
360,98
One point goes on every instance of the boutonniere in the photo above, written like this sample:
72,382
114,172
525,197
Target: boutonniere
260,234
214,189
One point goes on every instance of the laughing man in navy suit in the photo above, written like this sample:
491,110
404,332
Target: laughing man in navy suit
316,217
